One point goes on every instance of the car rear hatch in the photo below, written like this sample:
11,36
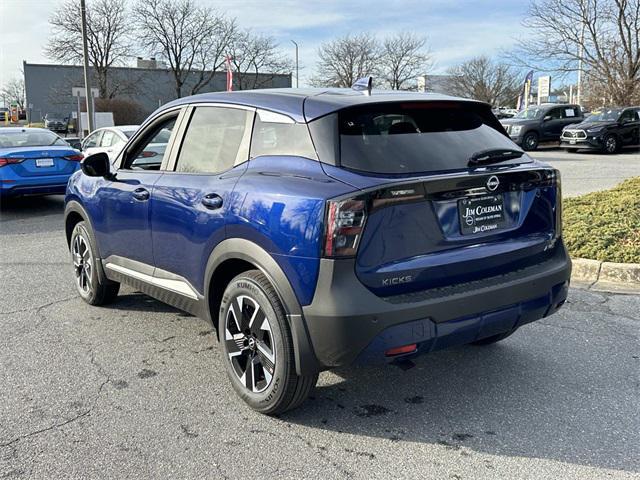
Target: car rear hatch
40,161
431,211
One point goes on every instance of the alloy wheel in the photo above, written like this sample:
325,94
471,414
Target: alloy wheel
249,343
611,145
82,263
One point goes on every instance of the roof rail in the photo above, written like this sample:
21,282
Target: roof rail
363,85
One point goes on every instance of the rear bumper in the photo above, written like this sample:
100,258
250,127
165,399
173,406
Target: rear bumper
17,189
346,322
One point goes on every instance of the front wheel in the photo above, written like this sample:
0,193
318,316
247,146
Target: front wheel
530,141
258,347
92,285
611,144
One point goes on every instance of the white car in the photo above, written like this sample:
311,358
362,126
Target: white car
110,140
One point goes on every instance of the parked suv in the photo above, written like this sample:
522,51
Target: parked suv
606,130
320,228
541,123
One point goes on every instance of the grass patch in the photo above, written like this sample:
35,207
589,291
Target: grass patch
605,225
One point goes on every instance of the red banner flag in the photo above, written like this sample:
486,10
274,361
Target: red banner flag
229,75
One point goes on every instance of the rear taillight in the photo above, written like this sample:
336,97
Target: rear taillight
8,160
75,158
148,154
344,226
558,204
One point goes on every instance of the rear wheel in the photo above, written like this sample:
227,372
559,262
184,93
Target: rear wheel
92,285
258,347
530,141
494,338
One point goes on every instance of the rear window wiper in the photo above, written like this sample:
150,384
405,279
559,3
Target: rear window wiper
494,155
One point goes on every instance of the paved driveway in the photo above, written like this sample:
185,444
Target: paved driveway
584,172
137,390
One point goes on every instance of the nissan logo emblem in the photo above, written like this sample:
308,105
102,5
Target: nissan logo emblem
492,183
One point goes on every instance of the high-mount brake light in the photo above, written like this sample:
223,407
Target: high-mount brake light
344,225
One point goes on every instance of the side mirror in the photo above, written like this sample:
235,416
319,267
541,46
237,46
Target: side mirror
546,118
96,165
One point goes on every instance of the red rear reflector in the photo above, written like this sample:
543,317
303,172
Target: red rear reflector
400,350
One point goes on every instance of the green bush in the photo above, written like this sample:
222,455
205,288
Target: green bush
605,225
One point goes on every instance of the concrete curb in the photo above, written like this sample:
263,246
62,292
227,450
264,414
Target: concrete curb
606,276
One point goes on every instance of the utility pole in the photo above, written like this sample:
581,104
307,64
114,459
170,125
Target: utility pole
297,69
580,55
85,55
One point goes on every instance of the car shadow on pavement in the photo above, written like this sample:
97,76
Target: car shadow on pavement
506,399
134,301
32,206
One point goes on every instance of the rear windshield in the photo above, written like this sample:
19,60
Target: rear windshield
29,138
402,138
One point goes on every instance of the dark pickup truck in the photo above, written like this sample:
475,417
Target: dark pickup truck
541,123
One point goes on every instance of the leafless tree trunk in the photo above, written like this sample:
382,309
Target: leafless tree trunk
184,35
13,92
343,60
108,36
482,79
256,60
403,58
604,34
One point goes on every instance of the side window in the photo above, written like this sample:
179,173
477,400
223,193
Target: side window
216,139
555,113
275,134
108,138
92,140
149,153
629,116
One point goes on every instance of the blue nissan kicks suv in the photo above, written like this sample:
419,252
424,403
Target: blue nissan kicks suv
319,228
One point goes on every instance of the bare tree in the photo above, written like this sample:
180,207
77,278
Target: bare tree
403,58
484,80
256,60
211,55
603,34
108,38
13,92
188,37
344,60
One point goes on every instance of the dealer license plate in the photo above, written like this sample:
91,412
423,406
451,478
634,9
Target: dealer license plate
481,214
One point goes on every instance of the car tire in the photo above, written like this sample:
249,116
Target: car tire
610,144
90,281
494,338
530,141
257,346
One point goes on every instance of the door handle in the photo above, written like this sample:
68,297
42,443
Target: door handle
141,194
212,201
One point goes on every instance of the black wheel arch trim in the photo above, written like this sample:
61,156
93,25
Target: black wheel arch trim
73,206
241,249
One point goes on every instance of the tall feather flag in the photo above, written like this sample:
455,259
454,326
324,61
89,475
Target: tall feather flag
229,74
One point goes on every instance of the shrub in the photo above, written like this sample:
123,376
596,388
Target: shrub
125,111
605,225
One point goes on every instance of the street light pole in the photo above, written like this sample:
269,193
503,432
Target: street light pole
85,56
297,69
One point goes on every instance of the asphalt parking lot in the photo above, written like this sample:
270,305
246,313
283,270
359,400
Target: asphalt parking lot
137,390
584,172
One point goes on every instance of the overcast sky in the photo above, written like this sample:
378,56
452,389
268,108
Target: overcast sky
457,30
